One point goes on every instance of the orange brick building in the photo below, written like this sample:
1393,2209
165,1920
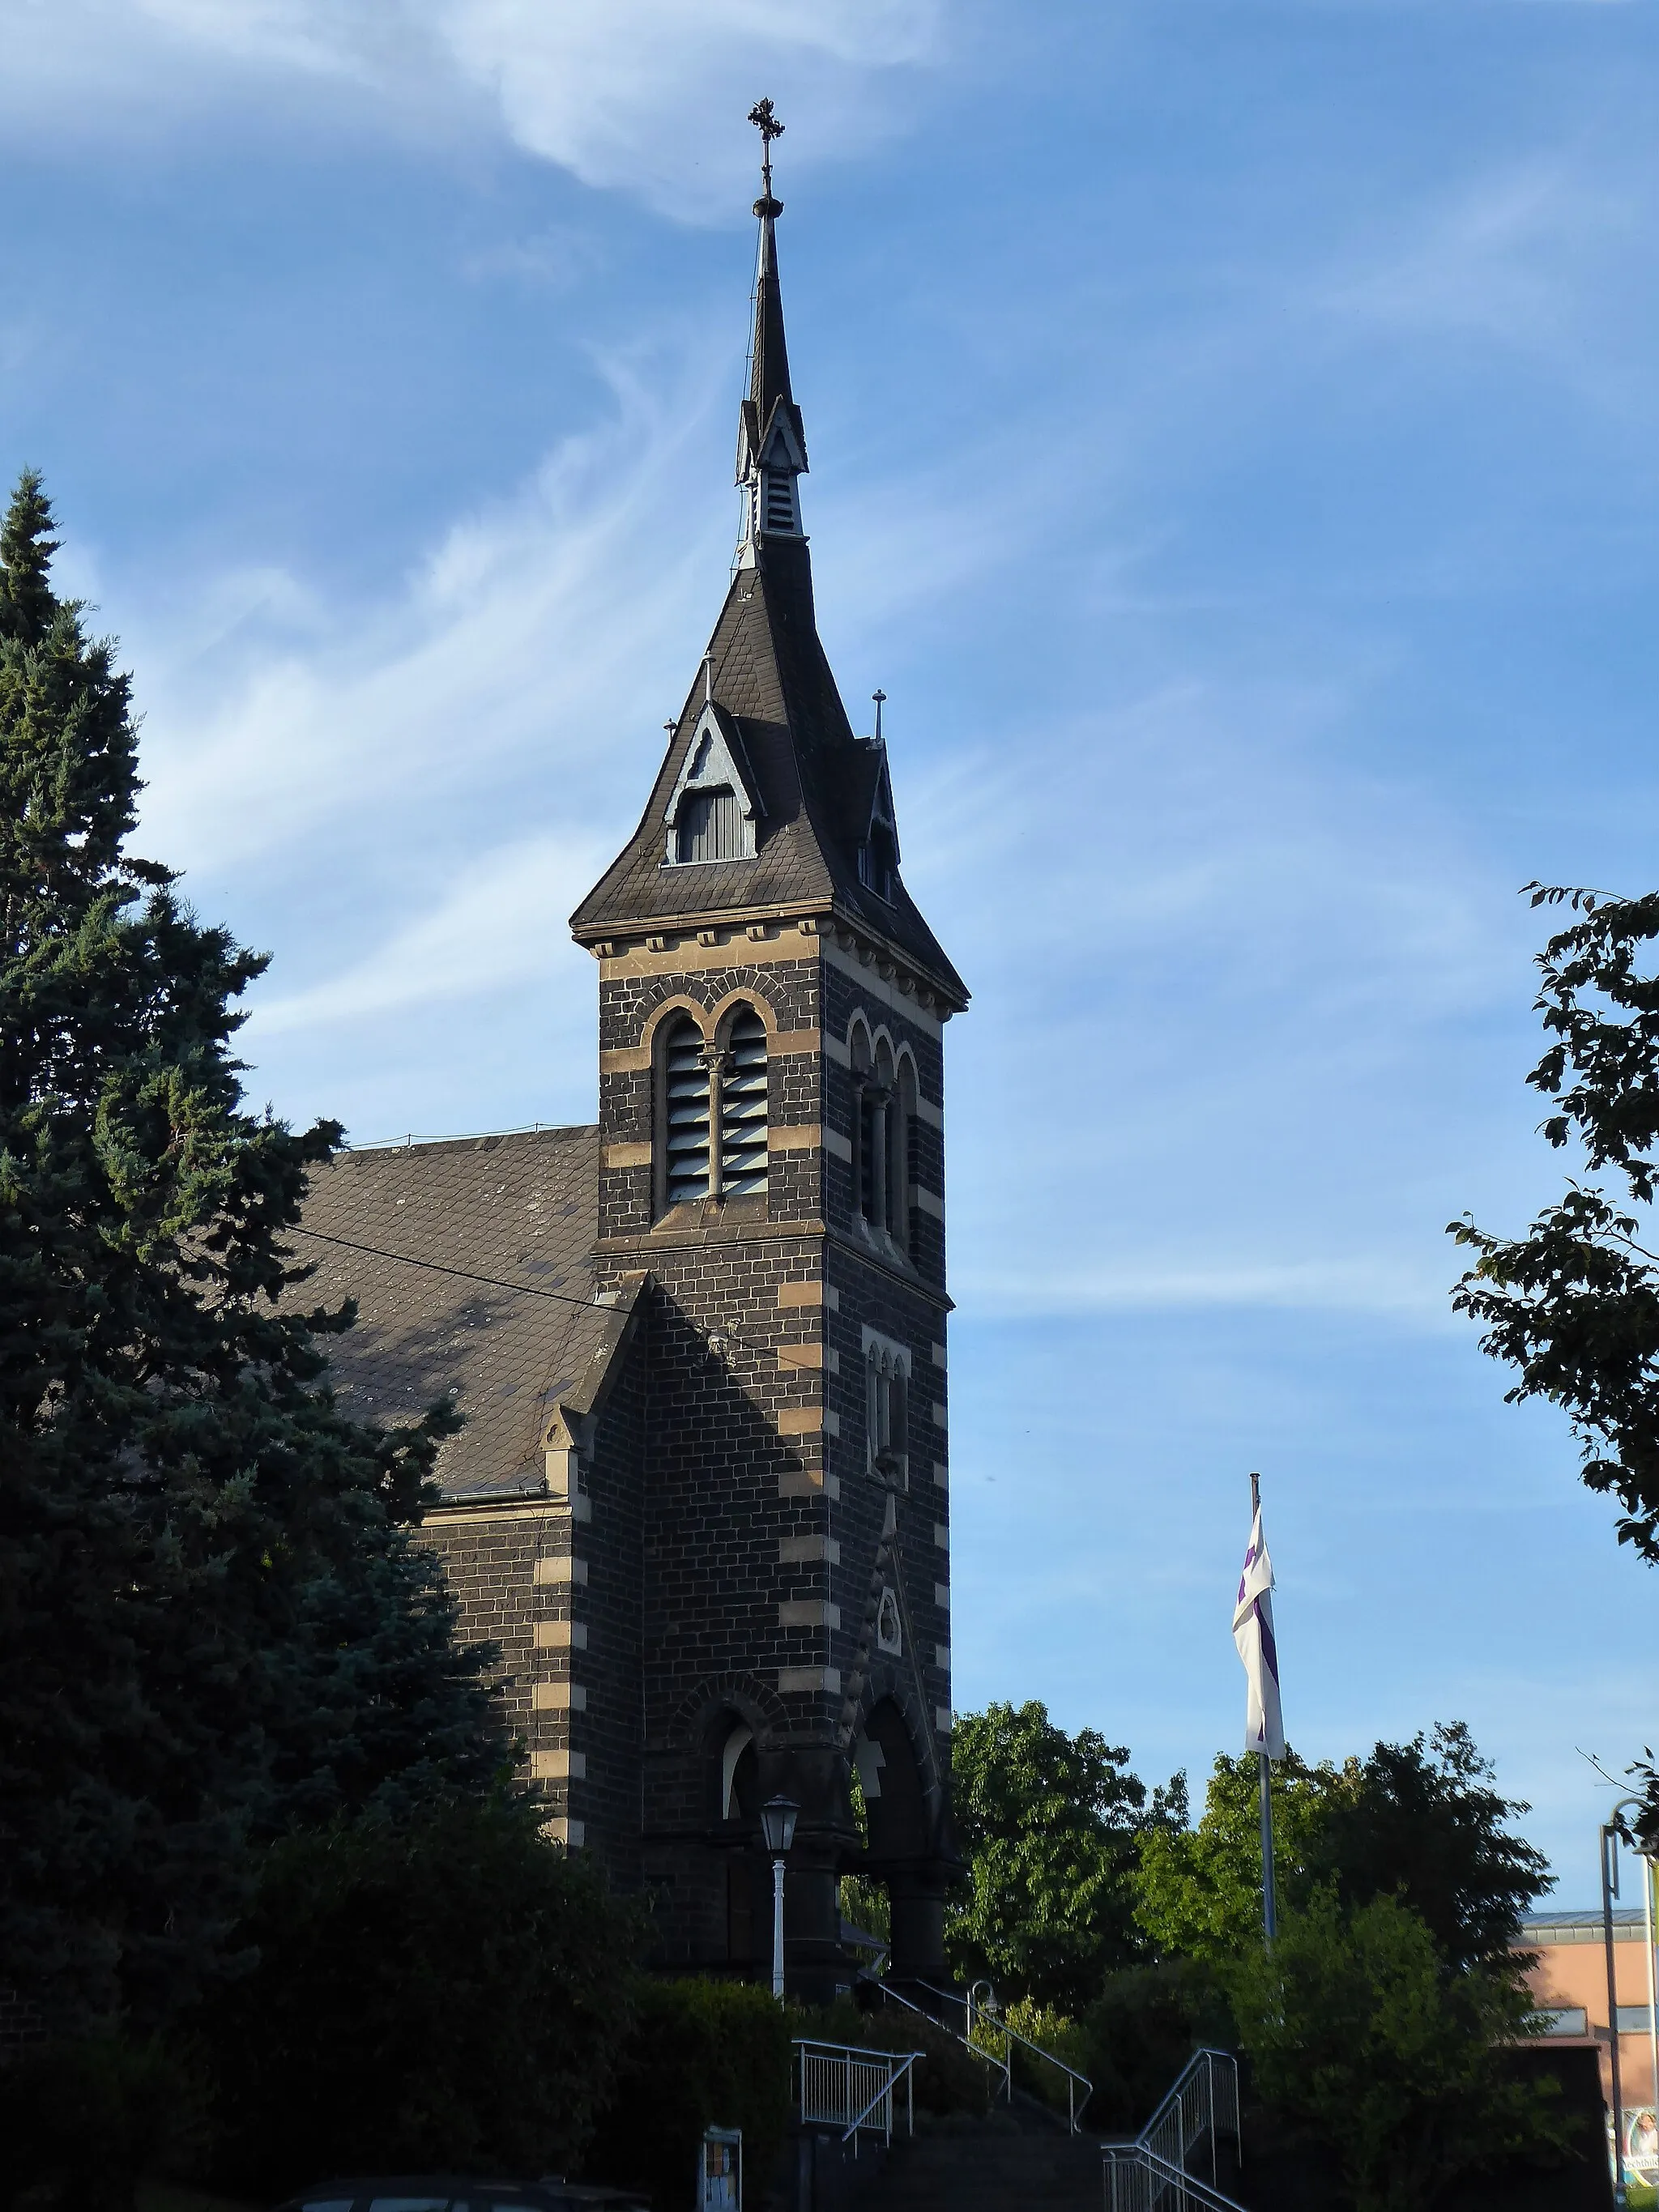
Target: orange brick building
1569,1986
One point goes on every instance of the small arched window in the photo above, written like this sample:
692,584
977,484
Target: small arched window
890,1629
742,1107
875,1142
900,1170
685,1115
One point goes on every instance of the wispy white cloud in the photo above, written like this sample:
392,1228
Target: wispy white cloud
620,94
518,639
1533,256
497,926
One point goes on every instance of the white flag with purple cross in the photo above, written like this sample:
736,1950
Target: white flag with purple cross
1252,1632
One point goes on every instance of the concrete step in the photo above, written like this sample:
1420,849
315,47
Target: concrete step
986,2166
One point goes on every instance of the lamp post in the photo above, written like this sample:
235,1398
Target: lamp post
1609,1839
778,1817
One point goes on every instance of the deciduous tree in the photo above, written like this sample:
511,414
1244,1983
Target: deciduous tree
1357,2026
1420,1820
1573,1305
1049,1823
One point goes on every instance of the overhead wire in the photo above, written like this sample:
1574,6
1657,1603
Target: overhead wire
523,1290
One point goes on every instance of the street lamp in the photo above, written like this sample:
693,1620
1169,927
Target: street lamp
778,1817
1611,1833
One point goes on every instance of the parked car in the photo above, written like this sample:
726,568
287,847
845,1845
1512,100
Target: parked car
454,2193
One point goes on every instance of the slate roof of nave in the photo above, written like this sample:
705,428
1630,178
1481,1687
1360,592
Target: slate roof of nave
522,1208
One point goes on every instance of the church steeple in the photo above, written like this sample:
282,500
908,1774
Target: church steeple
767,809
771,441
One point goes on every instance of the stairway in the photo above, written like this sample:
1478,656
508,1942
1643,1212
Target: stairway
1007,2163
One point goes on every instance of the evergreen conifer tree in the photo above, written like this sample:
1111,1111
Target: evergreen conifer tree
213,1622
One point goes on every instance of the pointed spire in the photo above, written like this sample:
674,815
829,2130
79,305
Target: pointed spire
768,379
771,441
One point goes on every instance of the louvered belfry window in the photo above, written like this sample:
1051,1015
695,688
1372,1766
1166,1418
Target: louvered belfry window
742,1107
686,1115
780,501
710,826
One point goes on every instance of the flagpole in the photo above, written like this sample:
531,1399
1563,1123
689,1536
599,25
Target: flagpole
1269,1909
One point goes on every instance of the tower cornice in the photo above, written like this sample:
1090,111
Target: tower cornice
720,939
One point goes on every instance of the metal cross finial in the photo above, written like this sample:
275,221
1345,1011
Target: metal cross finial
877,697
768,124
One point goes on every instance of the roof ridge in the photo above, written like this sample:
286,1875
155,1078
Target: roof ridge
412,1143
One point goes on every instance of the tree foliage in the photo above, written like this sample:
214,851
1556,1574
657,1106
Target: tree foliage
212,1622
1419,1820
701,2054
1198,1890
1422,1821
1573,1305
1049,1823
1356,2026
441,1990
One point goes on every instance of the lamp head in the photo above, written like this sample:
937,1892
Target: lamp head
778,1817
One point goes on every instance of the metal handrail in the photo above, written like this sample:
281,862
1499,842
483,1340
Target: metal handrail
985,2057
1013,2034
846,2060
1204,2060
1203,2100
1152,2182
901,2072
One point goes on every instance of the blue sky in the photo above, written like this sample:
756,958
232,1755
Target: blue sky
1235,444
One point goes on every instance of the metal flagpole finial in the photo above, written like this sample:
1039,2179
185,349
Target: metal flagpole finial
878,696
1255,1493
762,116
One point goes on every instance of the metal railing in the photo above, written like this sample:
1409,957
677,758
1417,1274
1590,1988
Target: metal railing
986,2017
1152,2184
986,2058
839,2086
1149,2173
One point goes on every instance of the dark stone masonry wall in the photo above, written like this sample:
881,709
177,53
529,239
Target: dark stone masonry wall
721,1567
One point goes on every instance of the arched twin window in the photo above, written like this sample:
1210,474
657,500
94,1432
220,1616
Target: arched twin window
713,1114
883,1165
887,1408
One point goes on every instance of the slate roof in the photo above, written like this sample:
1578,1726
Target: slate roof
523,1209
816,778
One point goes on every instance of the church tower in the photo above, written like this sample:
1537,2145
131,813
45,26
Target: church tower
771,1215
